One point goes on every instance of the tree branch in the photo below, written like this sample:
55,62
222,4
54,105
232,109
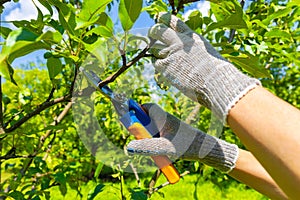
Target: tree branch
153,180
50,94
125,65
181,5
39,109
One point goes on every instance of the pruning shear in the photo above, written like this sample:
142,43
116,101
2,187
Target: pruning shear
136,121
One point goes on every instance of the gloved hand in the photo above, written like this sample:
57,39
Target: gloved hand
192,65
180,140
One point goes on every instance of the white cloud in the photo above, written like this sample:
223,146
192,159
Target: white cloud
25,10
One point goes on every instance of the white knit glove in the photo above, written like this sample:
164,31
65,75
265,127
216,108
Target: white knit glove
192,65
180,140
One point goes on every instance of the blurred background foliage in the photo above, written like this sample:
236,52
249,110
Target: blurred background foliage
42,154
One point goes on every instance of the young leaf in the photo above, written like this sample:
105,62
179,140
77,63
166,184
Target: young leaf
90,11
228,19
51,36
54,67
106,26
129,11
4,31
21,48
46,5
64,23
6,71
156,7
195,20
20,34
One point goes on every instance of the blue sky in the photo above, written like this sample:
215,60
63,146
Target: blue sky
25,10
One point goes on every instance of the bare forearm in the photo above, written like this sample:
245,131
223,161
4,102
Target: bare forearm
249,171
269,128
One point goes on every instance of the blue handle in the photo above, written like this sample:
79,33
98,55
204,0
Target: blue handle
139,112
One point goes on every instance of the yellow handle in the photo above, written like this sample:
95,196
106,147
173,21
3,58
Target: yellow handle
162,162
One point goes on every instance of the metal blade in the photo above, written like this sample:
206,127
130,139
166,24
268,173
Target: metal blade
119,101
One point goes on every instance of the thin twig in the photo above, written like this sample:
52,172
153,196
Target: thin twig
74,79
125,66
181,5
167,183
153,180
135,174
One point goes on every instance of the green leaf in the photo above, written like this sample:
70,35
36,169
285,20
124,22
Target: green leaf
93,193
106,26
39,22
17,195
101,31
232,18
64,23
277,14
4,31
194,21
98,169
22,48
20,34
90,11
54,66
51,36
129,11
6,71
156,7
277,33
62,180
250,64
47,5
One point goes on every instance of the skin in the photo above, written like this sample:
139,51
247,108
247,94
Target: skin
270,128
249,171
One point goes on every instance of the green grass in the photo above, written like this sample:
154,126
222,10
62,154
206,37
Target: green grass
187,189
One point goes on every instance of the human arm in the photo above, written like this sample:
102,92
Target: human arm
180,140
250,172
271,131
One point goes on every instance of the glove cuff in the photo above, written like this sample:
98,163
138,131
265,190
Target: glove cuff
227,87
223,156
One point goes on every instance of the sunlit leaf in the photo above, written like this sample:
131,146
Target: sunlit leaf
89,14
194,20
231,18
129,11
54,66
47,5
4,31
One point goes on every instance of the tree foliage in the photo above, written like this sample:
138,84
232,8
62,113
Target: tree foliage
40,147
